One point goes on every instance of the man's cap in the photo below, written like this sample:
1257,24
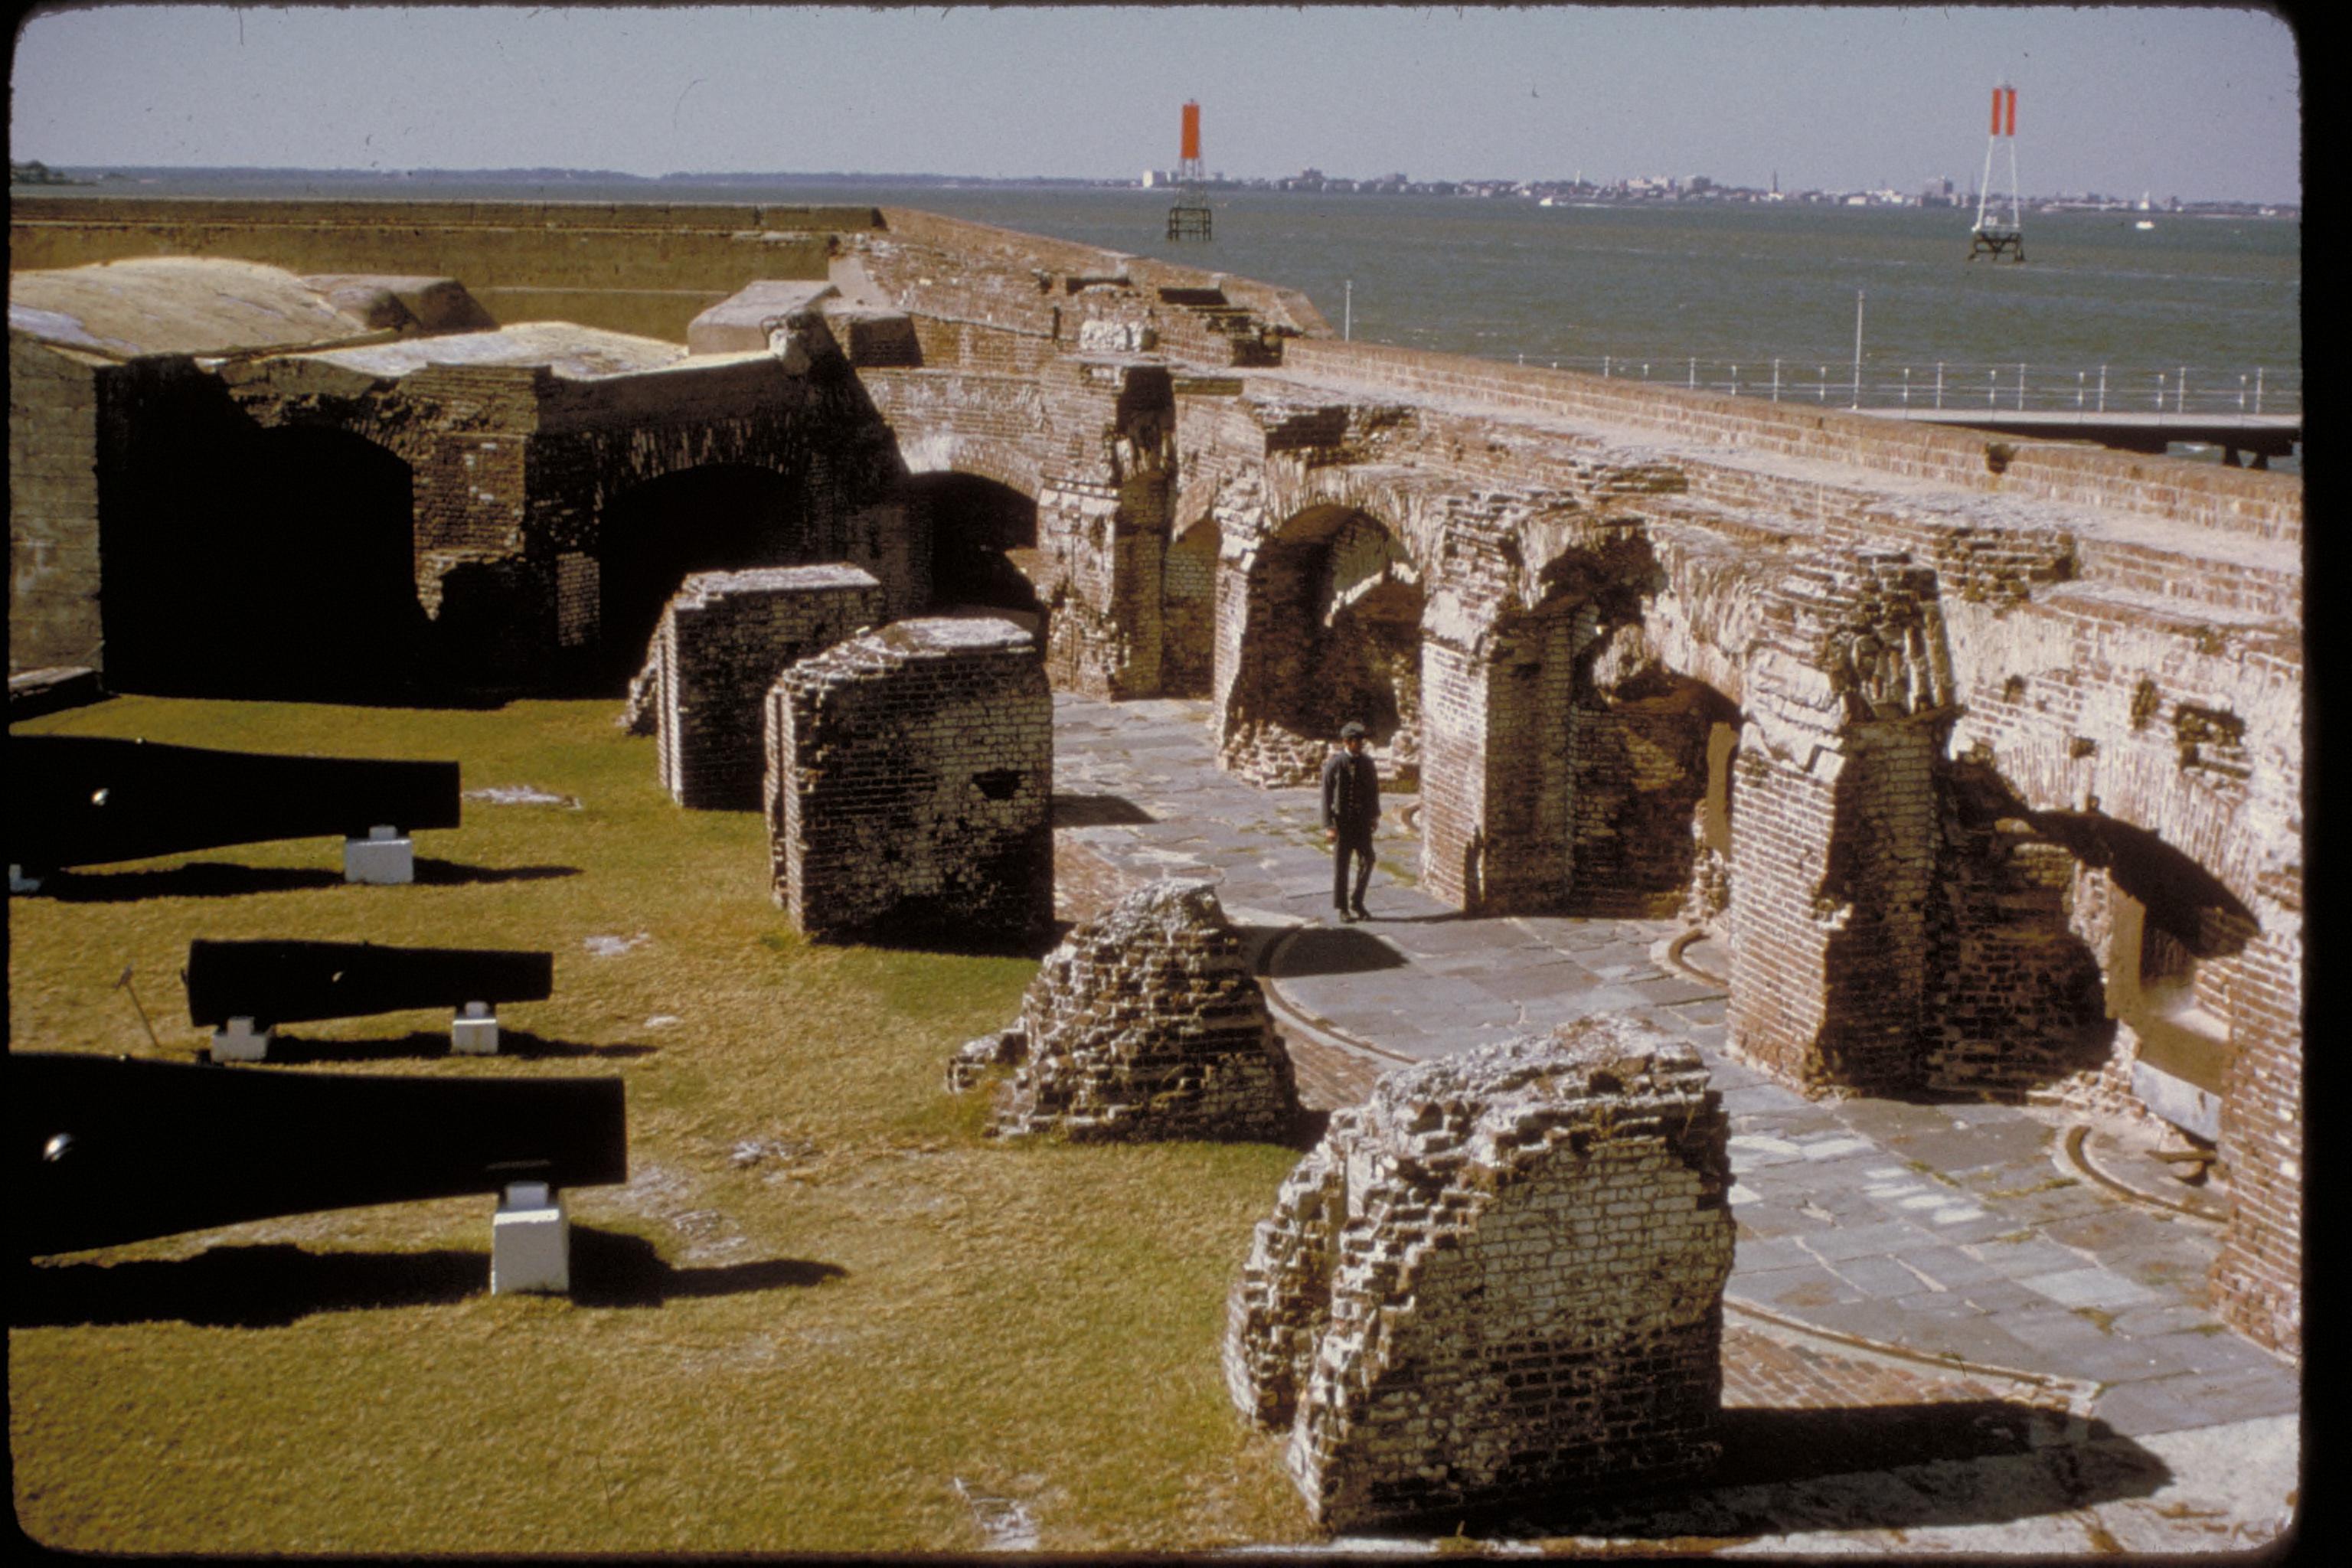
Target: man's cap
1351,731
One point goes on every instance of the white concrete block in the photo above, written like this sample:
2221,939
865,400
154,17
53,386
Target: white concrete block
474,1032
383,858
531,1241
238,1042
2183,1103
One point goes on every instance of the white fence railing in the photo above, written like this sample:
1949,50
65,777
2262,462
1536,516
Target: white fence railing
1959,385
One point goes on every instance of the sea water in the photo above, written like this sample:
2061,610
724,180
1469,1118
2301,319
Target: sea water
2119,307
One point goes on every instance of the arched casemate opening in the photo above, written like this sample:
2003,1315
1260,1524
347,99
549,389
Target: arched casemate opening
289,570
720,517
2174,935
1332,633
1649,755
1188,622
983,535
1606,776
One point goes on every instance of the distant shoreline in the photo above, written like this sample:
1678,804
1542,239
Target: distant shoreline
129,178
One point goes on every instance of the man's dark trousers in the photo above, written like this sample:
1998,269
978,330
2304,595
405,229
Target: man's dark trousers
1355,841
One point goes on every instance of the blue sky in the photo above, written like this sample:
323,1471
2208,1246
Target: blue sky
2198,102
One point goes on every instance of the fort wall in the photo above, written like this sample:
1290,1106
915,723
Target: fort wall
1987,755
648,268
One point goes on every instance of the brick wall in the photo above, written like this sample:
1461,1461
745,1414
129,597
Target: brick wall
1092,441
53,508
635,268
724,639
1498,1279
2261,504
1146,1022
908,785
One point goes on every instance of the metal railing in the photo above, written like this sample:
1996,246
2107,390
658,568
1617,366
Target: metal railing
1958,386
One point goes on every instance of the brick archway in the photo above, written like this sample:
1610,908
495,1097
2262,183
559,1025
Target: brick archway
1331,632
981,535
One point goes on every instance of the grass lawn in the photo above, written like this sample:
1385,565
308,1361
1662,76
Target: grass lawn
825,1314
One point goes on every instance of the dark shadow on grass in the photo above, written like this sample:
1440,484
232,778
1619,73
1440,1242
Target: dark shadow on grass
221,880
1099,810
272,1284
1330,950
420,1044
446,873
1806,1463
200,879
249,1287
612,1269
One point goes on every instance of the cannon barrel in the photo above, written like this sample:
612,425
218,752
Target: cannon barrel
85,800
283,982
112,1149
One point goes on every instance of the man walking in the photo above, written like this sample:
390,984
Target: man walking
1352,804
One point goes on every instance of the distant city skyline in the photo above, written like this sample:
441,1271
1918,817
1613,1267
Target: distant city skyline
2197,103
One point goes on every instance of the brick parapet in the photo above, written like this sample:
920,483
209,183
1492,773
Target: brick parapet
2225,501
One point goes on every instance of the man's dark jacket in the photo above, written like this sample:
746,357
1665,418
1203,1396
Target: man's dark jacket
1352,792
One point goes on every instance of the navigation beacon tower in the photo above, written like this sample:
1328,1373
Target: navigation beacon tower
1987,238
1189,218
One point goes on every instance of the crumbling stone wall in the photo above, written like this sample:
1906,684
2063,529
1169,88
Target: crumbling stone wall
2014,1004
525,445
1834,820
1499,1279
1146,1022
909,784
724,639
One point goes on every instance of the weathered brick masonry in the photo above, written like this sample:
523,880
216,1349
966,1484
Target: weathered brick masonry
909,784
724,639
1985,757
1146,1022
1498,1279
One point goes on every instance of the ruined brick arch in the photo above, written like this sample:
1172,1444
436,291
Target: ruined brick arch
1599,782
2169,934
287,568
650,535
1330,631
955,454
1189,607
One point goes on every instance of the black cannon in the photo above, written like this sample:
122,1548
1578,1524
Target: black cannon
111,1149
246,988
82,800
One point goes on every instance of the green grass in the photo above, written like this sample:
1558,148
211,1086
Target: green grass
813,1347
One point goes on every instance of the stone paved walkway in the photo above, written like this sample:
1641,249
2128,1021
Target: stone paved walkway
1958,1238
